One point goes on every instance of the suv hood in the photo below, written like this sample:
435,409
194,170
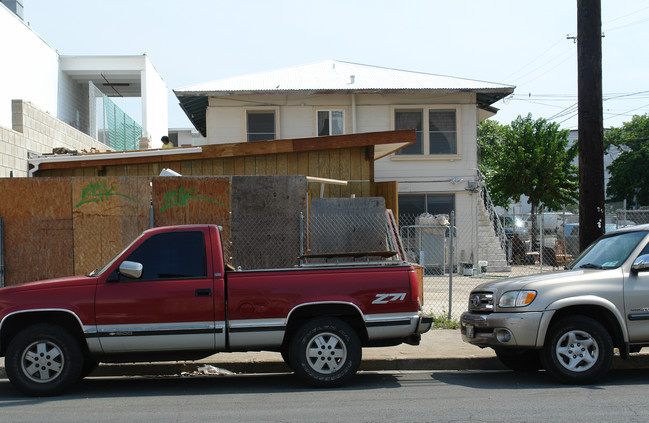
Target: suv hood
533,281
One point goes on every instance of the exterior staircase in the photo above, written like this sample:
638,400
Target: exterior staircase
491,246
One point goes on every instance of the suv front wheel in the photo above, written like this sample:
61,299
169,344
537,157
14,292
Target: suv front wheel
578,350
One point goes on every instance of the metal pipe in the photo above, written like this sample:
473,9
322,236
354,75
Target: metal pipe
450,270
2,255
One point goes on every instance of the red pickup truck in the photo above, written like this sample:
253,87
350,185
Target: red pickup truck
170,296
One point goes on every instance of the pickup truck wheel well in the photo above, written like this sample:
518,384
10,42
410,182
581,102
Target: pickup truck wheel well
17,322
344,312
600,314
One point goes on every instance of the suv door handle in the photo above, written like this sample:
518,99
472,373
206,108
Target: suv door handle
205,292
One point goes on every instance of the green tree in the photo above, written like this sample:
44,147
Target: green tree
629,172
528,157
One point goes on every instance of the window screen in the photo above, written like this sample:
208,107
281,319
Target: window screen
261,125
410,119
442,133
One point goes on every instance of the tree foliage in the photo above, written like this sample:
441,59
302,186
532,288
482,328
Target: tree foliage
629,172
528,157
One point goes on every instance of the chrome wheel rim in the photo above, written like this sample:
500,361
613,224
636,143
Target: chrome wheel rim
577,351
326,353
42,361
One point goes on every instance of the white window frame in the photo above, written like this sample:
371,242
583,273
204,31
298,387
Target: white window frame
426,109
274,109
329,109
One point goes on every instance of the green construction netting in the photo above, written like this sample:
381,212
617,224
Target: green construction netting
123,132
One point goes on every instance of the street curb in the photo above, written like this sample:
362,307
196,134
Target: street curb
457,363
150,369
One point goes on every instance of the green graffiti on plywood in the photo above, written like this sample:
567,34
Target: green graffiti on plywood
180,198
98,191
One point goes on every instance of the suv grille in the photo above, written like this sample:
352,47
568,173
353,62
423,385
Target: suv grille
481,301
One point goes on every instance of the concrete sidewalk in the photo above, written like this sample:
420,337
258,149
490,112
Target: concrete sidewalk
440,349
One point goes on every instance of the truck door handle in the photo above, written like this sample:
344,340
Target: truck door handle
206,292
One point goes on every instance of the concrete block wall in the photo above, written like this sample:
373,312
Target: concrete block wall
37,131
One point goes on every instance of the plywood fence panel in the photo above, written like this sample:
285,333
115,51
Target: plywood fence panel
266,220
108,213
37,228
191,200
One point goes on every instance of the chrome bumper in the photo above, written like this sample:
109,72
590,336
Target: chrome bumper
424,324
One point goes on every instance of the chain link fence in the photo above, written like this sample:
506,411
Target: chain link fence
459,252
454,253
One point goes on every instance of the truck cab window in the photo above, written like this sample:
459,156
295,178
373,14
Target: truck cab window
172,255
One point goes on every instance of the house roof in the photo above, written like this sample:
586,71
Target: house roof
331,76
384,143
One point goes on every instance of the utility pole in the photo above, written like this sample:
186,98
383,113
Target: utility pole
590,121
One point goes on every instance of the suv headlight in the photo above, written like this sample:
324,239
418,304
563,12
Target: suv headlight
516,299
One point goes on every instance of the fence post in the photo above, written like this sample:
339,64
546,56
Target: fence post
450,269
301,237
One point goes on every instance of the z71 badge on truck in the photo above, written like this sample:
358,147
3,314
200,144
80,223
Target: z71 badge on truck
170,296
569,322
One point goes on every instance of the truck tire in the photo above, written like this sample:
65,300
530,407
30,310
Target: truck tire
520,360
578,350
43,359
325,352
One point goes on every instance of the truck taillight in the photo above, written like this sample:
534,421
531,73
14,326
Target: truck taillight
414,286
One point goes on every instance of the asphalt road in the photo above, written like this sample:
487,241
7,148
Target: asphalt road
484,396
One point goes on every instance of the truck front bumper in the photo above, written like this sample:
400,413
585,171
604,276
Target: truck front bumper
500,329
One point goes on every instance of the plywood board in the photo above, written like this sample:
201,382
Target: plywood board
187,200
108,213
266,220
37,228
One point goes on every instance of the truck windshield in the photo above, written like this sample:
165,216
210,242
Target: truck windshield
608,252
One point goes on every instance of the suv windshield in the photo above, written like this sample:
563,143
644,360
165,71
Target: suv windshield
608,252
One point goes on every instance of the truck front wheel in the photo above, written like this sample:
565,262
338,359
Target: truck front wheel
578,350
325,352
43,359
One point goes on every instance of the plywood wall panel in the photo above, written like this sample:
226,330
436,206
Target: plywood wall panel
37,228
108,213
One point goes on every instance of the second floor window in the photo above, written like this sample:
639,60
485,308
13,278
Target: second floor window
436,130
331,122
260,125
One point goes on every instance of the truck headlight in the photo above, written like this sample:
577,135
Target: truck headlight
516,299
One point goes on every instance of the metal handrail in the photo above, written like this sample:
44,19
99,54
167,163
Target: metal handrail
493,216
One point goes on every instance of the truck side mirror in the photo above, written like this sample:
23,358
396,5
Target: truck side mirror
131,269
641,263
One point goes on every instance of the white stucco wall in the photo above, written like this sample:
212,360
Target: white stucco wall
73,103
154,103
374,112
29,69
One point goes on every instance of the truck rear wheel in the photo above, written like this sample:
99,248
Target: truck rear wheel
578,350
43,359
325,352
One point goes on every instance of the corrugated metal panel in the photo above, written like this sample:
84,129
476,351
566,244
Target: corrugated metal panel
338,76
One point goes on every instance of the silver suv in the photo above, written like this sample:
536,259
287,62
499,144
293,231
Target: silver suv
569,322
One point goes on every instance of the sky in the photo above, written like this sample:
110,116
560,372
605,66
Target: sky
514,42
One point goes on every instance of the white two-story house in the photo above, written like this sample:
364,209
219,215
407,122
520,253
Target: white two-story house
437,174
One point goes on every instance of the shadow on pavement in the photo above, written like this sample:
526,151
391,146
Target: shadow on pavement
116,387
506,379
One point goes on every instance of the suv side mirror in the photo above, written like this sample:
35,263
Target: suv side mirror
132,269
641,263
